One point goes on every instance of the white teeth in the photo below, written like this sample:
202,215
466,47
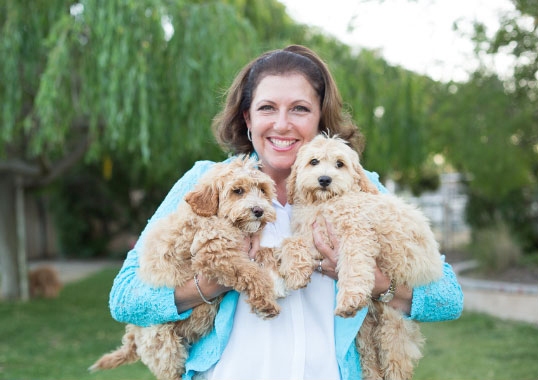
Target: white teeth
282,143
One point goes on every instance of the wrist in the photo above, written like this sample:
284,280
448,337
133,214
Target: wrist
388,294
187,296
403,299
200,293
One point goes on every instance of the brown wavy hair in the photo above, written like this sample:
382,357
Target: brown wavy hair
229,126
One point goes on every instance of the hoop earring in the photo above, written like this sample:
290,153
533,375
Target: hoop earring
249,135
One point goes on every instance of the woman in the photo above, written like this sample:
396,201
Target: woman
276,104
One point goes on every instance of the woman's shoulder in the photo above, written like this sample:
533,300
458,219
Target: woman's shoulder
199,169
182,186
374,178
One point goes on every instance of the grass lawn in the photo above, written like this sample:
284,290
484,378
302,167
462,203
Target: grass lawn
59,339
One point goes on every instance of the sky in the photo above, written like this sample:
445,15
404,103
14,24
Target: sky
417,35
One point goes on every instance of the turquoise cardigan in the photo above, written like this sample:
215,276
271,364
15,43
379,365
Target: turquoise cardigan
132,301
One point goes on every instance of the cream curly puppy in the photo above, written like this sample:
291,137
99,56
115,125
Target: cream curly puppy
205,235
328,181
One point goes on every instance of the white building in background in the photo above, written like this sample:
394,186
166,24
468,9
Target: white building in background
445,208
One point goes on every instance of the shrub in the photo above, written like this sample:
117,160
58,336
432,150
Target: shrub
495,248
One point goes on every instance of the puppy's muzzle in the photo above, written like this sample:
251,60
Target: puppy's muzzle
257,211
324,181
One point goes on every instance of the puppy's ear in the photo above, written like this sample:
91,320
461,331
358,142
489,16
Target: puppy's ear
290,185
362,180
204,200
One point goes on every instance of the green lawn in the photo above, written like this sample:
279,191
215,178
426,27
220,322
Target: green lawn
58,339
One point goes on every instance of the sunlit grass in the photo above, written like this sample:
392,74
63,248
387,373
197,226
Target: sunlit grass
479,347
59,339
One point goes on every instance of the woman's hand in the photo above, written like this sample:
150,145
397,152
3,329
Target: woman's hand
252,245
327,243
187,296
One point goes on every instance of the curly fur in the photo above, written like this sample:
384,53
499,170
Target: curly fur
327,180
205,235
44,282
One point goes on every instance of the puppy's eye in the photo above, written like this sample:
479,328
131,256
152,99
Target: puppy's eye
262,190
339,164
238,191
314,161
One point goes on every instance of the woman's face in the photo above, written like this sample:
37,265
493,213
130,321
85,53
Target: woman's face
284,115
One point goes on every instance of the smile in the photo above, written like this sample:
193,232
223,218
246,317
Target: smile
281,143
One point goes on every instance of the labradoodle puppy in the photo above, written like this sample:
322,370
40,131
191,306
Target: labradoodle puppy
328,181
205,235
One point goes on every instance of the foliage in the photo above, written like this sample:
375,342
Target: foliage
60,338
107,71
472,125
497,134
92,207
495,248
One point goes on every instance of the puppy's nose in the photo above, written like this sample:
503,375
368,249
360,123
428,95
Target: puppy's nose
257,211
324,180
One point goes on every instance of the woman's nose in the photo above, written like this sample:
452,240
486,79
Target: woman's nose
282,121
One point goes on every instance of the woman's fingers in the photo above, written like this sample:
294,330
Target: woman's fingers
327,244
253,245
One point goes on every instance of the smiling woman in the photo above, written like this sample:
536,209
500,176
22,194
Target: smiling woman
278,103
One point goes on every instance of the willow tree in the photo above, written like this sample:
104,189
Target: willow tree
137,79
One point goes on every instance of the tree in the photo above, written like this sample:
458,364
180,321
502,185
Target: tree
100,79
502,127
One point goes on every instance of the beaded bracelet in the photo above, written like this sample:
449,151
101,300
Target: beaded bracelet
200,291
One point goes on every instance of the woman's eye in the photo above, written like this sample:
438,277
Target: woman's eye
339,164
238,191
301,109
265,108
314,162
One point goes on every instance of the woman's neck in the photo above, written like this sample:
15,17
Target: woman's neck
281,192
280,178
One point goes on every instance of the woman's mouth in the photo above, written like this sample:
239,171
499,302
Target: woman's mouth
280,143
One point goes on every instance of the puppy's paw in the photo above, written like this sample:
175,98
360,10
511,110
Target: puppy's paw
345,312
268,311
297,279
280,289
348,305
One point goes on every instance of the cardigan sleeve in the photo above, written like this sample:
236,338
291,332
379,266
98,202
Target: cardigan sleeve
133,301
440,300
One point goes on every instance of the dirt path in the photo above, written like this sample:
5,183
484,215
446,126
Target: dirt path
74,270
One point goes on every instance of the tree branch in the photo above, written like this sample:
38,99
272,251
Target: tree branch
36,175
58,168
19,167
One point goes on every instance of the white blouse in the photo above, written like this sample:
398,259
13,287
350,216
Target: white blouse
297,344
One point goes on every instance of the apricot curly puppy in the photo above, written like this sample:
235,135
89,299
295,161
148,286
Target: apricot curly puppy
328,181
205,235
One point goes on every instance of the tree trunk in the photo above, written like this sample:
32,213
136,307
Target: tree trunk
9,265
21,238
